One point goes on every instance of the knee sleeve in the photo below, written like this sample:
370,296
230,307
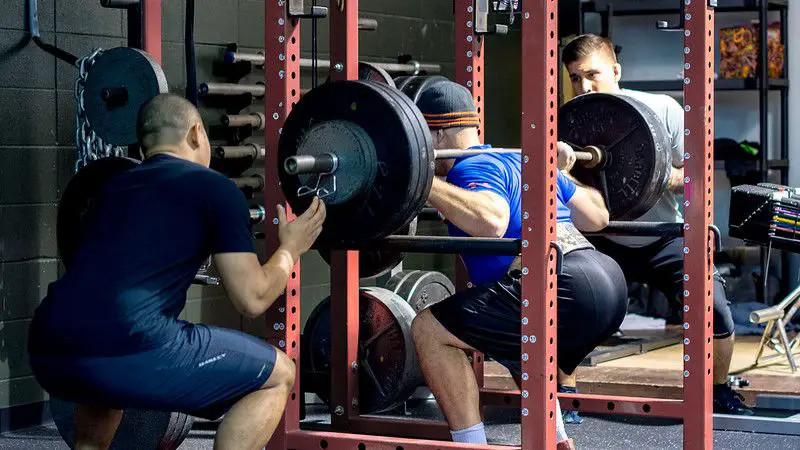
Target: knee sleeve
723,319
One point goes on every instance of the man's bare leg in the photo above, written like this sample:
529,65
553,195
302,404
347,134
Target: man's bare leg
723,353
447,371
568,380
249,424
95,427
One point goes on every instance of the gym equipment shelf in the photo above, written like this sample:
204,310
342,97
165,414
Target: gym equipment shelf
537,395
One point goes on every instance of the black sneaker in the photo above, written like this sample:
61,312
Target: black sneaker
728,401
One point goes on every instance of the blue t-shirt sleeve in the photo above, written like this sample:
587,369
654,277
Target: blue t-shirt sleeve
229,219
565,186
479,173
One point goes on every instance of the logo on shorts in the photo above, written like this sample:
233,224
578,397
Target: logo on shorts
211,360
474,185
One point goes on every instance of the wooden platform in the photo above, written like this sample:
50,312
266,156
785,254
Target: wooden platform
658,374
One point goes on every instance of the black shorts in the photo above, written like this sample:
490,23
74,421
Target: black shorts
660,264
203,374
592,301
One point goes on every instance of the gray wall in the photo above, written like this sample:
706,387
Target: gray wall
37,137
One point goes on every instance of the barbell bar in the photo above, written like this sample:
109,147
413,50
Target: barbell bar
327,162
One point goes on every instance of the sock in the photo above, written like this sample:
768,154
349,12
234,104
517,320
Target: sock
561,432
472,435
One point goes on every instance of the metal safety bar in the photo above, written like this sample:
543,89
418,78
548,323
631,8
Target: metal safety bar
412,67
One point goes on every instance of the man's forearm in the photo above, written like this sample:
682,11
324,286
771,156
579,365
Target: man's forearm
277,271
472,212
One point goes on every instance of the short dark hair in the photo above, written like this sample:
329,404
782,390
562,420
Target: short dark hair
164,120
586,45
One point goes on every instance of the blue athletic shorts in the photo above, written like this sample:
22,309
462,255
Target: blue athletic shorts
203,373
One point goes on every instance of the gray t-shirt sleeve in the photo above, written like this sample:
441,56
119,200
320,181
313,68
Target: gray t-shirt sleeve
674,122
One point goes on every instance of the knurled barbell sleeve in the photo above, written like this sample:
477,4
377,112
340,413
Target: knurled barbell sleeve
254,151
254,182
255,120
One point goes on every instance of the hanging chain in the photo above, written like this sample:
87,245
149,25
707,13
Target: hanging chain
90,146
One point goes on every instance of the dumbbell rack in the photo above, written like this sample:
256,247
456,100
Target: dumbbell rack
538,324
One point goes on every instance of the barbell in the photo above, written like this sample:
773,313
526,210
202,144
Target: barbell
366,150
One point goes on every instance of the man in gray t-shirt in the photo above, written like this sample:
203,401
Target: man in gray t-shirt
593,67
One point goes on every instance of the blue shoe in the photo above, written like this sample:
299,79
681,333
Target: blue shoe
570,416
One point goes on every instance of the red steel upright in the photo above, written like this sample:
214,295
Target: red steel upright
343,19
539,128
469,73
151,29
699,215
282,81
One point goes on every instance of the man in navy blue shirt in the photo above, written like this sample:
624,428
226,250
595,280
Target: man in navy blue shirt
481,197
108,336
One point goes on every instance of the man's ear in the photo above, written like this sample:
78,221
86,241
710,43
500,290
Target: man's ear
193,138
617,72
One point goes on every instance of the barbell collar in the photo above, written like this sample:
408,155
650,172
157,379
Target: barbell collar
255,120
257,215
254,151
256,90
254,182
303,164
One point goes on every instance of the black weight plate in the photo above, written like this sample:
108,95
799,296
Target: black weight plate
77,198
420,288
121,67
401,81
415,85
369,71
383,207
138,429
388,368
376,263
635,141
421,182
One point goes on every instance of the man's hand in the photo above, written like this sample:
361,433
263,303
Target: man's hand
298,235
566,156
675,183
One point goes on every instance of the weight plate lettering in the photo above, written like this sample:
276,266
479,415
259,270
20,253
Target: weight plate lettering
403,149
634,142
119,82
388,368
139,429
420,288
75,204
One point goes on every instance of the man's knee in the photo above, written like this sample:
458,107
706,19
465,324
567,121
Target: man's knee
422,326
283,373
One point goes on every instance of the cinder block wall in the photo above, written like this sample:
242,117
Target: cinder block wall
37,128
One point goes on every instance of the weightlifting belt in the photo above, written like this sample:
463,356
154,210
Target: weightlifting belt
568,238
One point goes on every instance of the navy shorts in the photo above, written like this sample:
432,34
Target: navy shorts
592,302
202,373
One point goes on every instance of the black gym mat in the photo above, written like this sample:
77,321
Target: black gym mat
502,427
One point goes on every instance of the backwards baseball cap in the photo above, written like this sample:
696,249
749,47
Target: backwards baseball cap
446,104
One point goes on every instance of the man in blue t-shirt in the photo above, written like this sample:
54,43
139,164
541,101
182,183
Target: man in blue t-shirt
481,197
108,337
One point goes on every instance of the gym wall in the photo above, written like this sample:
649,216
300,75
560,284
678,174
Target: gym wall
37,136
